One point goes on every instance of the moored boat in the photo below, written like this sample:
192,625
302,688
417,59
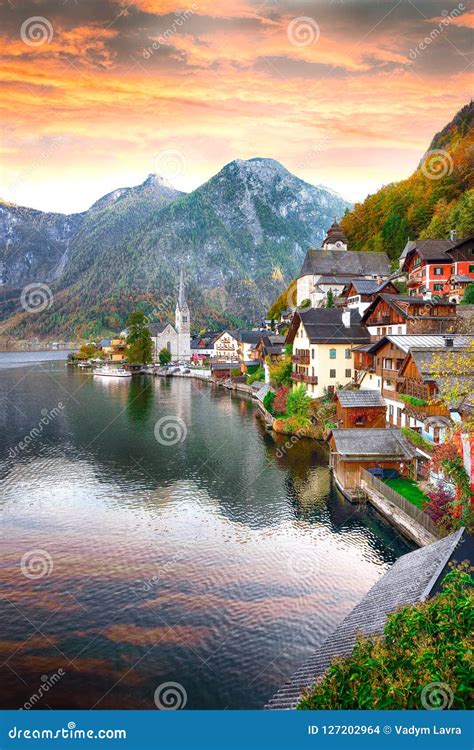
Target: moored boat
112,372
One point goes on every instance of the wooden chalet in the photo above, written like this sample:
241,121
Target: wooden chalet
354,449
397,314
360,409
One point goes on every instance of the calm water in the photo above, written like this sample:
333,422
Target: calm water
219,562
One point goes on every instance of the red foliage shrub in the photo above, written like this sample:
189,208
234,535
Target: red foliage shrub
439,505
279,403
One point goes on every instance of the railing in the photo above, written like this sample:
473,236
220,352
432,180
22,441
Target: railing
429,410
300,359
311,379
401,502
390,373
392,394
296,376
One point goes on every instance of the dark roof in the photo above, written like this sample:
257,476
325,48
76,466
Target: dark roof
349,399
250,337
224,365
324,325
464,279
413,578
334,280
368,286
339,262
428,361
157,328
432,249
405,342
361,441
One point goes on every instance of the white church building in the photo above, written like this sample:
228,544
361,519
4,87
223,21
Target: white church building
176,338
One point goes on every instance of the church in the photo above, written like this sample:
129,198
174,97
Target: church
333,266
176,338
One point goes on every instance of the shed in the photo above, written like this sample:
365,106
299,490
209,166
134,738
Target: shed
360,409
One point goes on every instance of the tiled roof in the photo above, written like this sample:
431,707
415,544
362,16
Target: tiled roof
324,325
350,399
411,579
464,279
400,304
362,441
421,341
433,250
338,262
334,280
250,337
157,328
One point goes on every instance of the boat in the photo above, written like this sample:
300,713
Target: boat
112,372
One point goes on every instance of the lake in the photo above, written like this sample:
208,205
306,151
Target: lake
152,532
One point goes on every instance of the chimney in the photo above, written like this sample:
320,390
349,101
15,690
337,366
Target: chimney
453,235
346,318
449,341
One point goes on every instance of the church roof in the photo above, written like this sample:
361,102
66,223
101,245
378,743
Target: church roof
339,262
157,328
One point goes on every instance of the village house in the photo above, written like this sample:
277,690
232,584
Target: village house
115,350
248,340
352,450
439,267
271,346
322,340
397,314
392,364
202,346
360,409
333,266
358,294
226,346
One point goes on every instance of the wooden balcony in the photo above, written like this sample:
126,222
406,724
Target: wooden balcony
382,320
389,374
393,395
298,376
310,379
423,412
300,359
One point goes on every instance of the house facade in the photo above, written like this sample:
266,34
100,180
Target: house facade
396,314
322,341
439,267
358,294
226,346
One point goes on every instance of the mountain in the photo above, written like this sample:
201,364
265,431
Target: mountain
436,198
240,237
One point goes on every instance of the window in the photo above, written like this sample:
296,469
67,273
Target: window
471,269
348,353
470,251
400,329
332,354
390,411
437,287
453,269
312,353
438,271
185,318
348,373
389,329
332,373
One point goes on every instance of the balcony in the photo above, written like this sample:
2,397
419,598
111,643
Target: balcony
390,374
428,410
382,320
392,394
300,359
310,379
298,376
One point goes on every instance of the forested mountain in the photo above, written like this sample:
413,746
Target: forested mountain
240,238
437,197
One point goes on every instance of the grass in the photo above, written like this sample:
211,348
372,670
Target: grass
409,489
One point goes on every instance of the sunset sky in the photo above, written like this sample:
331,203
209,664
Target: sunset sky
96,95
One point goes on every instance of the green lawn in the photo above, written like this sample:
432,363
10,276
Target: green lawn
409,489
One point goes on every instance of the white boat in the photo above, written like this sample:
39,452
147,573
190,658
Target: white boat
112,372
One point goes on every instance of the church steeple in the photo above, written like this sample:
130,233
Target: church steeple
182,310
181,297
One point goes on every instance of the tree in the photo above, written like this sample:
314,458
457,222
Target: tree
468,298
330,298
306,303
298,401
139,339
164,356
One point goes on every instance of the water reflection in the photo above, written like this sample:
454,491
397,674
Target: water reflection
219,562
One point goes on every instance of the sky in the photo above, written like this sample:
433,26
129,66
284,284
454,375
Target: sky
97,95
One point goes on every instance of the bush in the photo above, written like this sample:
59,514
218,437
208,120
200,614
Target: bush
279,404
294,424
280,371
235,372
257,375
411,400
439,508
414,437
422,644
297,402
306,303
268,400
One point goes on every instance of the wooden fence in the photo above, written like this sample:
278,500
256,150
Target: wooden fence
401,502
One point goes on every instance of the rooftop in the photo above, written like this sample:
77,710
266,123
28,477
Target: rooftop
338,262
350,399
325,325
357,442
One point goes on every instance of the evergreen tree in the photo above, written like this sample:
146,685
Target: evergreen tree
330,299
468,298
139,341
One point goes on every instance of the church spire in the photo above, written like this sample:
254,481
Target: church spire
181,297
